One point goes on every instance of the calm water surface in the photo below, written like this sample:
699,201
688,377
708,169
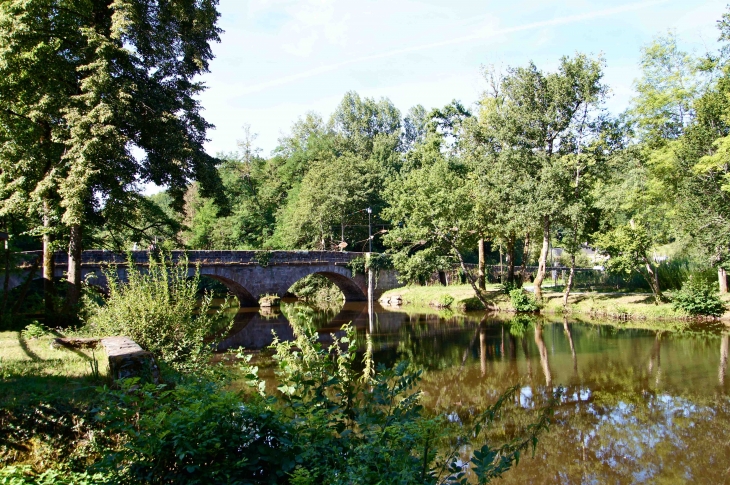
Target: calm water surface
640,406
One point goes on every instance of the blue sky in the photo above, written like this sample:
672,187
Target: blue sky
279,59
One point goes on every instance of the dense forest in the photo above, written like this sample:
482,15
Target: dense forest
537,162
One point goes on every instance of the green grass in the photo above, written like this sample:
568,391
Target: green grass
33,371
619,305
425,296
45,395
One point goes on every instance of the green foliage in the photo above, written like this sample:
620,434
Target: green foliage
357,266
523,301
34,330
195,432
316,287
698,298
263,258
508,287
117,109
159,309
581,260
629,250
25,475
445,301
520,324
381,435
329,423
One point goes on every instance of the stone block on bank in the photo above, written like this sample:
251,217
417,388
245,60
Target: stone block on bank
128,359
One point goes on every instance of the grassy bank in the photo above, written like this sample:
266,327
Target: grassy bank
619,306
44,397
430,296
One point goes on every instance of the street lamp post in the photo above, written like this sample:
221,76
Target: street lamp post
370,229
371,276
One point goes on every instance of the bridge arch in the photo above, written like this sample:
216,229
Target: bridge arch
346,284
245,298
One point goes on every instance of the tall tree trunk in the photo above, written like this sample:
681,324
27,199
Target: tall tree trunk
511,259
481,276
49,288
569,285
472,280
74,266
722,279
653,279
501,273
525,257
442,278
543,257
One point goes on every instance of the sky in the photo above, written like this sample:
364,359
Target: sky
279,59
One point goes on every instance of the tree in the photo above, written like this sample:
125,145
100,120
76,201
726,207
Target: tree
86,88
670,81
629,248
431,210
333,191
539,118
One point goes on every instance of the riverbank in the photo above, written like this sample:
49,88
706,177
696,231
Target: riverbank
618,306
45,394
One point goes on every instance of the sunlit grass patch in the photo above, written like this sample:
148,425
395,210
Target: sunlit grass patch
32,370
463,295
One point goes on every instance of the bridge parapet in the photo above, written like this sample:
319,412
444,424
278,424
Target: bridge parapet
261,258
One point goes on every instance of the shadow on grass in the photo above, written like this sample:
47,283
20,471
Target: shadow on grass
51,409
23,345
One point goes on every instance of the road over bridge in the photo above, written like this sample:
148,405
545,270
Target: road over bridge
249,275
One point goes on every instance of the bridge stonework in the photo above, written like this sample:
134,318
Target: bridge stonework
247,274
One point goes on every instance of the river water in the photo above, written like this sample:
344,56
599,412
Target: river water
639,406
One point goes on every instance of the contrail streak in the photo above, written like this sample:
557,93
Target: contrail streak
458,40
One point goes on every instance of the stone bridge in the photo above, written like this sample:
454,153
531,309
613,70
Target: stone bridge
249,275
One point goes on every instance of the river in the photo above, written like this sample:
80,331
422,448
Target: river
639,406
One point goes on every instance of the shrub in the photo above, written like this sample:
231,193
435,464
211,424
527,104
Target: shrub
24,475
317,288
194,432
445,301
698,298
507,287
523,301
34,330
159,310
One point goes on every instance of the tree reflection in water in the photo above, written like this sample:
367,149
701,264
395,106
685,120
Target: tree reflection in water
644,406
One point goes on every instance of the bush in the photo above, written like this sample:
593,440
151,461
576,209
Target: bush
698,298
24,475
317,288
508,287
195,432
445,301
160,311
34,330
523,301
